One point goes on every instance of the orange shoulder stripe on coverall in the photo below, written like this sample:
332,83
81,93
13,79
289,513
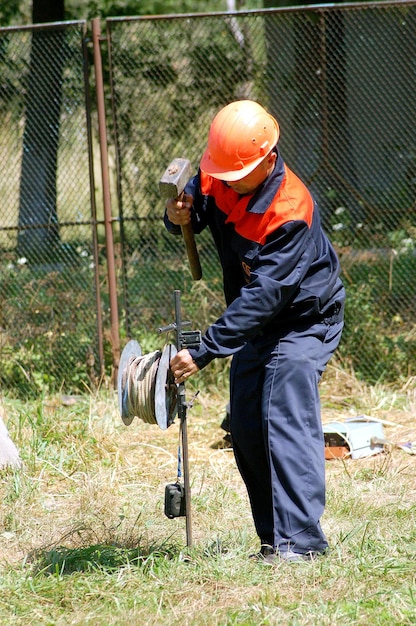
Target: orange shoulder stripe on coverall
292,201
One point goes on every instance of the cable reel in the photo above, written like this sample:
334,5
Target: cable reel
146,387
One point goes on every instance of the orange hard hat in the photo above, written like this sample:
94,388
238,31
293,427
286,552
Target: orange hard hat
241,135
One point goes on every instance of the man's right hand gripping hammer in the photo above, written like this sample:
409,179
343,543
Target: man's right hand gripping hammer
178,207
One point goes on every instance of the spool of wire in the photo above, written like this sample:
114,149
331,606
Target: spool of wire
146,387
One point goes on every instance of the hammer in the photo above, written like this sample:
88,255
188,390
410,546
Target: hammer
172,185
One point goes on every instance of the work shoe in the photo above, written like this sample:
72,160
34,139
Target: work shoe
266,556
296,557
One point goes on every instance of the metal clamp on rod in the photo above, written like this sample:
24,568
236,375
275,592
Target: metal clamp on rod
190,338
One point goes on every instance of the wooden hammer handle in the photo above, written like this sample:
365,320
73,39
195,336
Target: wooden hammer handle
192,252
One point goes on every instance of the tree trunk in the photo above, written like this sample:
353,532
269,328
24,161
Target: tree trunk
38,221
320,142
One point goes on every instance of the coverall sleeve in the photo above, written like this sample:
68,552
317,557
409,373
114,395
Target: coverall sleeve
276,275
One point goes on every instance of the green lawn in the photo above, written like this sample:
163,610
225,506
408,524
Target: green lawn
84,539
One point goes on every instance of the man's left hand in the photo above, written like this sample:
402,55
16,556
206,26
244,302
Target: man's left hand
183,366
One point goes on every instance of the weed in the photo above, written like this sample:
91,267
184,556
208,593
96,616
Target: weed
84,538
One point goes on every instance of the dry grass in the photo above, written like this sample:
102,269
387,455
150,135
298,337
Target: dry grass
91,485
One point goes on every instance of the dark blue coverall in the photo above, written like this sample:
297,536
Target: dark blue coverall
282,324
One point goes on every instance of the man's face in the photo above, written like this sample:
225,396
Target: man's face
252,181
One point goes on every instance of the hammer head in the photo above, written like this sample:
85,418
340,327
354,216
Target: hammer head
174,179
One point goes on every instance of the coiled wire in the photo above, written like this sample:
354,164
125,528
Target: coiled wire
141,382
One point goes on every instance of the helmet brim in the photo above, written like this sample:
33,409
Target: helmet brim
208,166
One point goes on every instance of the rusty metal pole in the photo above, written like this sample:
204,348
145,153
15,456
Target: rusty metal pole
100,336
108,218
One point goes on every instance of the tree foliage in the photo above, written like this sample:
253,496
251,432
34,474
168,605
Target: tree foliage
12,12
17,12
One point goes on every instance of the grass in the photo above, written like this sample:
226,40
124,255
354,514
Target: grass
84,540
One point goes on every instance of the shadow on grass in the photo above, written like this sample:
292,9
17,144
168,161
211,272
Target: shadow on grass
103,557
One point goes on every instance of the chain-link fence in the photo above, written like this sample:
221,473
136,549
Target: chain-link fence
340,80
48,331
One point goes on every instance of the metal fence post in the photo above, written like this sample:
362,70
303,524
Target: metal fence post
108,219
100,337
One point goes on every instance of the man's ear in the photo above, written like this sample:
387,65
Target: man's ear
271,159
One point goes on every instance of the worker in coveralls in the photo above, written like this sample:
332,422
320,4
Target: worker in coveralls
283,322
